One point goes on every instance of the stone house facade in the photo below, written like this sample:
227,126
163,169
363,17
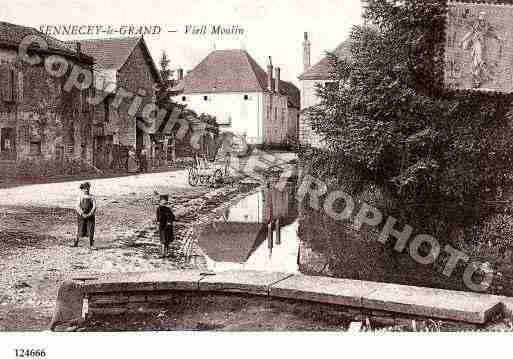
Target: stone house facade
314,76
40,121
125,80
320,74
246,100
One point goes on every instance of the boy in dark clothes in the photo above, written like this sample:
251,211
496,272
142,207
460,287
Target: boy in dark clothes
165,219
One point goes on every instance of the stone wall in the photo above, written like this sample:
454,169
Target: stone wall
154,302
48,123
363,299
280,121
136,77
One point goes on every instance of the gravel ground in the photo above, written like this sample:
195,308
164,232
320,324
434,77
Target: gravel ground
37,227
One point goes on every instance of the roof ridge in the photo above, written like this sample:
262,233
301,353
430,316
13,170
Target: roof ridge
317,70
53,42
252,63
130,53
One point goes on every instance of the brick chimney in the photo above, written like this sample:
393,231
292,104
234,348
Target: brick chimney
306,53
270,84
277,80
179,74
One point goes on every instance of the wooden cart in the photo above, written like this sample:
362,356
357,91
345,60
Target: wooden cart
204,172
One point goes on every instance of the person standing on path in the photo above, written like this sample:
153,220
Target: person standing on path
86,209
143,160
165,219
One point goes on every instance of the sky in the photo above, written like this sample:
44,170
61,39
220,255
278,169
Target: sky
271,27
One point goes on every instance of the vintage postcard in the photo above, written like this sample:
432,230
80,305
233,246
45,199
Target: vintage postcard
240,166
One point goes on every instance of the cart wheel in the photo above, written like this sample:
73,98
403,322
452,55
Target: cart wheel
193,178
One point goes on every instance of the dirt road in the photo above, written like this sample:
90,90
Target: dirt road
38,224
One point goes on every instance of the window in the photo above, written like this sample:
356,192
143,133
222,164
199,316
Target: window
59,153
21,86
7,139
106,110
9,84
83,102
91,94
184,98
205,98
246,97
35,148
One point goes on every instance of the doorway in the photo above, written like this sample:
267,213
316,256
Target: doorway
8,143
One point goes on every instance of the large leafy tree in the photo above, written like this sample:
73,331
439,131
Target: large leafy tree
438,153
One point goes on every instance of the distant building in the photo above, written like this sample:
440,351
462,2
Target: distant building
313,76
40,122
310,79
245,99
122,64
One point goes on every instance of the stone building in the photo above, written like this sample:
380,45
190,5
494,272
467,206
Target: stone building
41,122
125,79
245,99
319,74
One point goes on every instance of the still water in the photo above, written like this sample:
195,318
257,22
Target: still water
257,233
269,231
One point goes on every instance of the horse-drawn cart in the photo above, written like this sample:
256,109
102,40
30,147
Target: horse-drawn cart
204,172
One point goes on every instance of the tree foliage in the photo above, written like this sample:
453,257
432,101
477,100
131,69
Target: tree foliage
166,81
392,123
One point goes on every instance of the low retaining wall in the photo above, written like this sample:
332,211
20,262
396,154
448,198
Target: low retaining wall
384,304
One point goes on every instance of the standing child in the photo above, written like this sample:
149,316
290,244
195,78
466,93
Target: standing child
86,209
165,219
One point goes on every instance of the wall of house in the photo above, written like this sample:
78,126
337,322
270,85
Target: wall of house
276,119
103,79
8,55
292,131
309,98
233,112
49,124
136,77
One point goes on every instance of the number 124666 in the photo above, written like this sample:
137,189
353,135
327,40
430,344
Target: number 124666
29,353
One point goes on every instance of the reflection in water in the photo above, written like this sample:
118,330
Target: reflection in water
266,231
335,249
257,233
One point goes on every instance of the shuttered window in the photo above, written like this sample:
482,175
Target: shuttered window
7,83
12,84
35,148
21,86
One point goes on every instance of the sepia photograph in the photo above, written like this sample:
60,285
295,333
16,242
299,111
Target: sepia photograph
255,167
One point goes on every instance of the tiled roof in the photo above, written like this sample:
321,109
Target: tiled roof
231,71
13,35
225,71
109,53
112,53
323,69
